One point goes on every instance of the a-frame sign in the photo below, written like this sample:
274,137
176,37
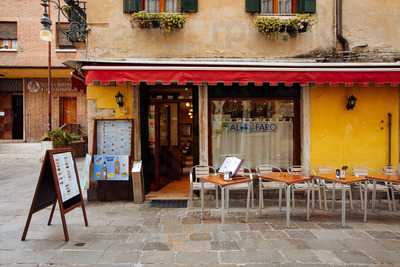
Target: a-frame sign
58,183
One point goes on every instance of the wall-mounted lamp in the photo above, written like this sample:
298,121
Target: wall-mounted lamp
119,98
351,102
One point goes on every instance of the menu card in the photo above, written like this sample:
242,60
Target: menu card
66,175
230,164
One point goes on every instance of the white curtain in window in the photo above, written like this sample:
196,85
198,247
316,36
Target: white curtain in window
285,6
153,6
270,147
267,6
170,6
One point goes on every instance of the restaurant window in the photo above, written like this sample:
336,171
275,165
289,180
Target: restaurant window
8,35
260,130
62,40
156,6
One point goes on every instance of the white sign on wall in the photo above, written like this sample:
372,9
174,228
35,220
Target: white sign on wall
114,137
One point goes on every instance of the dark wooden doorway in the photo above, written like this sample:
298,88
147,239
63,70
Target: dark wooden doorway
18,117
68,110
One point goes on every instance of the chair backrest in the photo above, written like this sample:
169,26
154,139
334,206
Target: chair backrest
244,171
360,171
296,170
266,168
200,170
389,170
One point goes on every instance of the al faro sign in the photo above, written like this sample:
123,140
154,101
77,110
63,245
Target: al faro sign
249,127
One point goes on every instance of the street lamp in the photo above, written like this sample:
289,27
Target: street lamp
46,34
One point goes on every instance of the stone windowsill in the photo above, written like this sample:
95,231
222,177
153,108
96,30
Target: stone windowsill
66,50
8,50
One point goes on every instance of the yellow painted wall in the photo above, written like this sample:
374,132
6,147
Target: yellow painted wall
106,105
353,138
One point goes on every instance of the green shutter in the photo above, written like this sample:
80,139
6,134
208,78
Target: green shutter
306,6
253,6
132,6
189,6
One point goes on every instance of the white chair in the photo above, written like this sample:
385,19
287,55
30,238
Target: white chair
395,188
382,187
332,186
269,186
243,171
303,187
195,184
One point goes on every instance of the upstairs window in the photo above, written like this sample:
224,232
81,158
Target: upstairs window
63,43
280,7
159,6
8,35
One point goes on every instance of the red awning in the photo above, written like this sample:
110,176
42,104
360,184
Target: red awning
288,75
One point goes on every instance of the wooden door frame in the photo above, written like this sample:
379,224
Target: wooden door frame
61,108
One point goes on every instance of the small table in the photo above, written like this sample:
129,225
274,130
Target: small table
219,181
380,177
348,180
289,180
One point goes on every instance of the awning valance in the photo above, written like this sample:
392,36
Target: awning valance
287,75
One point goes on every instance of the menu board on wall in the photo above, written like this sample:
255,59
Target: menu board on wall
114,137
66,175
111,167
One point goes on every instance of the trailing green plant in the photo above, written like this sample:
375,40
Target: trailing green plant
166,21
60,138
273,26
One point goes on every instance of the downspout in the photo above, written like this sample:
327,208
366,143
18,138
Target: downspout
345,47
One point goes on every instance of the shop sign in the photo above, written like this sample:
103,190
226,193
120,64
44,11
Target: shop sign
111,167
250,127
40,85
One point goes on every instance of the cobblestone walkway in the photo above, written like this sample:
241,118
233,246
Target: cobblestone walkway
125,234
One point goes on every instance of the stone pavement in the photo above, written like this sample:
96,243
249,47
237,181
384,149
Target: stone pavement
125,234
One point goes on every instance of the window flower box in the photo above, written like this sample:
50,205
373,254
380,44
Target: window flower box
165,21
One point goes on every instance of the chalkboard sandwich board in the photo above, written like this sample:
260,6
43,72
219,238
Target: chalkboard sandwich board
58,183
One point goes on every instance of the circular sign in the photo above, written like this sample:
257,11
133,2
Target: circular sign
33,86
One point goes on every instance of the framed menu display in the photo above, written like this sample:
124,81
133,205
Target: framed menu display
231,164
58,183
114,137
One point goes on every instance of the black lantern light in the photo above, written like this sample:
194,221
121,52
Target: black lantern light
119,99
351,102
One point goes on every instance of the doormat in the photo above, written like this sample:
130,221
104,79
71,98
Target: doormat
173,204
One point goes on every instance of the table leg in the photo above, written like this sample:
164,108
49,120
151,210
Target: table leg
373,195
202,198
308,200
288,188
343,205
312,194
333,197
248,202
365,201
260,196
222,204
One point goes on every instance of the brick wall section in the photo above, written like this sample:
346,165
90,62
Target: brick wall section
31,50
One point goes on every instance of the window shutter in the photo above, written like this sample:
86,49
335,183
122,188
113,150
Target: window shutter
306,6
189,6
8,31
132,6
253,6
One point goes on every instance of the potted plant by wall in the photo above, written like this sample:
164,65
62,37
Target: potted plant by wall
61,139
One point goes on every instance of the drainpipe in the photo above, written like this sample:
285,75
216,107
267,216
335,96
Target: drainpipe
390,139
345,48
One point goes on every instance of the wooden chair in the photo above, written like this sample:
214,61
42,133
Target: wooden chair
268,186
243,171
196,172
331,186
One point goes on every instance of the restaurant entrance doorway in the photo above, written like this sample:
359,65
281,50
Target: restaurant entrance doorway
170,141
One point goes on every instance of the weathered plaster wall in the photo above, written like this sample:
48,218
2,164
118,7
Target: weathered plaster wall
353,138
219,29
372,22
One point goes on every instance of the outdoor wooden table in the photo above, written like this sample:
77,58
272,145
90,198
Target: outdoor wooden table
219,181
379,177
348,180
289,180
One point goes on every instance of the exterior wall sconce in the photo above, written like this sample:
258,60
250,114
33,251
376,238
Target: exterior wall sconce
119,98
351,102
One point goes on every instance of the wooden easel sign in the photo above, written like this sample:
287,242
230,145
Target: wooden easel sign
58,183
